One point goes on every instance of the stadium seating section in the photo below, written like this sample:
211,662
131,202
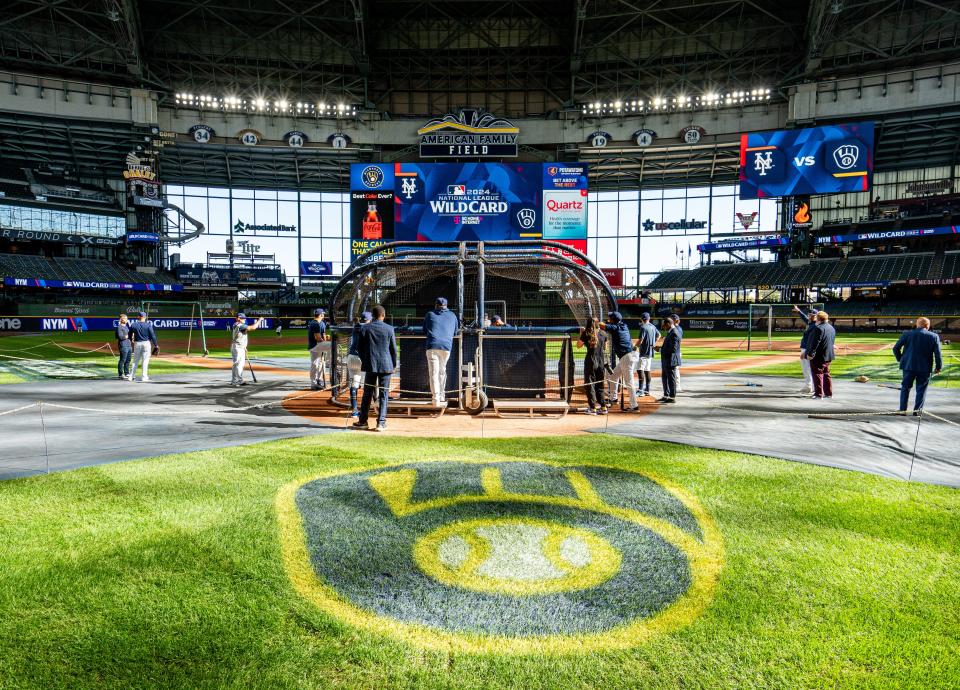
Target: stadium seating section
30,266
895,268
22,183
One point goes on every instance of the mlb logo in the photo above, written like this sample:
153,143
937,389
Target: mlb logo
456,189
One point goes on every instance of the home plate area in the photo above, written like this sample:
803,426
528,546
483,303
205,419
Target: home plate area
511,557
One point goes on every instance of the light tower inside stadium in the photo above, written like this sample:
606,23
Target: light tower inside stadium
545,292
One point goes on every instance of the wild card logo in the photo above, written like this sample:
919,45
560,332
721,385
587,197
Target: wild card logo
508,557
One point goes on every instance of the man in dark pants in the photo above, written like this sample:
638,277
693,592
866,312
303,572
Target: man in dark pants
810,318
918,352
649,335
676,370
378,358
820,354
125,348
669,360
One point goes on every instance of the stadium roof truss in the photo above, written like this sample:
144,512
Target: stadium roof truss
513,57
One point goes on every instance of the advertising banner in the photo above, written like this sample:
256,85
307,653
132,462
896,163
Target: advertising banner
880,235
730,245
38,324
813,160
148,237
316,268
467,202
614,276
90,285
226,277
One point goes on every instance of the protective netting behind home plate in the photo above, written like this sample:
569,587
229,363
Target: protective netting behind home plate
541,291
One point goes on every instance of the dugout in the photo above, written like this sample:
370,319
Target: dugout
544,290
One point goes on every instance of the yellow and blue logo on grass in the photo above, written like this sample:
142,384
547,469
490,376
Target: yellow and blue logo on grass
501,556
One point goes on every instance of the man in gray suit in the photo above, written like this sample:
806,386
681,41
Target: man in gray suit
378,358
918,352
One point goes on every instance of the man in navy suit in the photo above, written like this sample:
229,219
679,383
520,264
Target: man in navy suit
820,353
918,352
670,360
378,358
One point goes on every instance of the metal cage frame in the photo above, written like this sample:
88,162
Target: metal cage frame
589,281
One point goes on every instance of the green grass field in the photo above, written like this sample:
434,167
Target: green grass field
879,366
168,573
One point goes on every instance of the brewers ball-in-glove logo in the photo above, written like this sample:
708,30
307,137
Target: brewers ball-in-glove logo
511,556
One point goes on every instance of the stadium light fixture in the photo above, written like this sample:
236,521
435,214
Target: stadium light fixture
709,98
262,104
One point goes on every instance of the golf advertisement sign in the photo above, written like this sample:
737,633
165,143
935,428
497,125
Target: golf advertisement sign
506,557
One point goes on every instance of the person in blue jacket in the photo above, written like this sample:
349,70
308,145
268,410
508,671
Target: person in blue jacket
378,357
918,352
440,327
627,358
125,348
144,345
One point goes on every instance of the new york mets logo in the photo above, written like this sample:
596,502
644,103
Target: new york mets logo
507,556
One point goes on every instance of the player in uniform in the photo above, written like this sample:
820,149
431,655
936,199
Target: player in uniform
594,371
649,335
354,373
238,347
144,345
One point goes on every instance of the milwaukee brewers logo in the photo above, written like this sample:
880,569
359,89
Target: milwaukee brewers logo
506,556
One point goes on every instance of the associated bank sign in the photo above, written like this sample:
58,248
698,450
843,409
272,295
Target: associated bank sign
469,133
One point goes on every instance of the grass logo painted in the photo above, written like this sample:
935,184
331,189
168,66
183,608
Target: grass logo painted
501,556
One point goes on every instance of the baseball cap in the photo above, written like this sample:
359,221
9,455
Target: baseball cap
142,313
615,315
442,301
318,312
241,315
366,316
645,315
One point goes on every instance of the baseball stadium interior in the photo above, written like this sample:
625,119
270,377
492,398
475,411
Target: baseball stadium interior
671,326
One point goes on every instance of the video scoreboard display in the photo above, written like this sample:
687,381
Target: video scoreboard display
814,160
467,202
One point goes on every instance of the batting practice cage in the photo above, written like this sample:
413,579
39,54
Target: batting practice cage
543,291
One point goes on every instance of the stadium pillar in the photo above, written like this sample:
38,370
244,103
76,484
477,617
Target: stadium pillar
481,285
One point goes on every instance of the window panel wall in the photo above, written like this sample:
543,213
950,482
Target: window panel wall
616,223
322,221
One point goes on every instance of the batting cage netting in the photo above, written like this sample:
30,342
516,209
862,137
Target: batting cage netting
521,306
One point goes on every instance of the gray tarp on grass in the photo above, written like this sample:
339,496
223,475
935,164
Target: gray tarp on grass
717,411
